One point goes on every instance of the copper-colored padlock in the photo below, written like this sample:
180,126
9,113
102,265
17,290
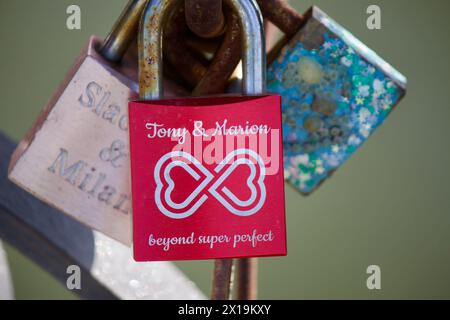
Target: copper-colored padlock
75,157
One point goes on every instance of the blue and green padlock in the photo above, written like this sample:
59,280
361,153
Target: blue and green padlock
336,92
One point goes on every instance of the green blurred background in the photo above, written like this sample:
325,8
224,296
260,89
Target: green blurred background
388,206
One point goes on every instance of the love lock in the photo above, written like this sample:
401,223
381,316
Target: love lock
336,93
161,162
75,155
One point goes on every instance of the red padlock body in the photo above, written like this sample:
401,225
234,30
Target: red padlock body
207,178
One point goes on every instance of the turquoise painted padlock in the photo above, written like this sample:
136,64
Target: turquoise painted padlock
336,92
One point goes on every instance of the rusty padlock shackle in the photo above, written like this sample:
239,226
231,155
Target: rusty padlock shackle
150,47
123,31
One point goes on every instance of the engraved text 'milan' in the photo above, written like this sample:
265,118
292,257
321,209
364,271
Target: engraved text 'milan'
86,178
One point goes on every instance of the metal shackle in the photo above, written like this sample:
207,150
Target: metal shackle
150,47
123,31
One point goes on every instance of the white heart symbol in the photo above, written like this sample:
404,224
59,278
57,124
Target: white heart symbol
232,204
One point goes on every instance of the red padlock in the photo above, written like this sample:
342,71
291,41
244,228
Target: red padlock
207,175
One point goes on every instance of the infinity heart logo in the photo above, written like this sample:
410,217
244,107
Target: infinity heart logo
165,185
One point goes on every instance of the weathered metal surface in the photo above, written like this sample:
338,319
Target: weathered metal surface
6,288
282,15
222,280
176,51
225,60
55,241
247,279
205,17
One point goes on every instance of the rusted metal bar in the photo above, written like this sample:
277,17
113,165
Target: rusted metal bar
205,17
281,14
177,52
222,279
247,279
285,18
225,61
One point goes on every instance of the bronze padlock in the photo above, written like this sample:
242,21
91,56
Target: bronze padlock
75,156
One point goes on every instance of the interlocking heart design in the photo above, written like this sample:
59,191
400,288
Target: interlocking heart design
165,185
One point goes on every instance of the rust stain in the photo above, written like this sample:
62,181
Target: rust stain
225,61
205,17
282,15
177,51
